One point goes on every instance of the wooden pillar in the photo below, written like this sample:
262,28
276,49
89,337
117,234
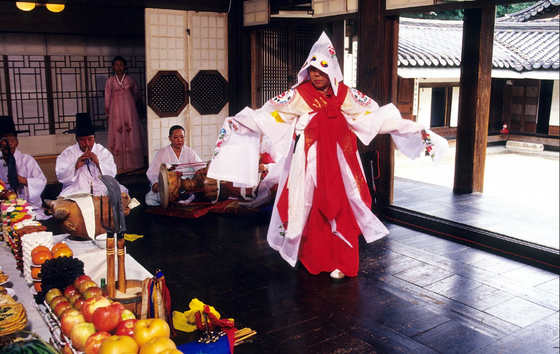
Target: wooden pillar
377,78
239,60
474,99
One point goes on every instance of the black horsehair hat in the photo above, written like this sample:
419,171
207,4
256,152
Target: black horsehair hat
7,126
84,127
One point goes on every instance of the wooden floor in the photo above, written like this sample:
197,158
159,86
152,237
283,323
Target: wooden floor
415,293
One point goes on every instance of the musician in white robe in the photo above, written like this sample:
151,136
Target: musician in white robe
30,178
173,154
79,166
323,202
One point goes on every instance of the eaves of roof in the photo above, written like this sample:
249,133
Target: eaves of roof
517,46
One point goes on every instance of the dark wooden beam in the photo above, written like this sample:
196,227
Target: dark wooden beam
377,78
239,60
474,99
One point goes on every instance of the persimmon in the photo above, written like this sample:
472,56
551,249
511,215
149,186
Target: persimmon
58,246
63,252
39,248
37,286
35,272
41,257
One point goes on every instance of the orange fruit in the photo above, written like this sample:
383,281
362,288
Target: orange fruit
35,272
41,256
63,252
58,246
39,248
37,286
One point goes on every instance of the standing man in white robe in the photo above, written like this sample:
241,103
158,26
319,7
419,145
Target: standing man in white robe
31,180
79,166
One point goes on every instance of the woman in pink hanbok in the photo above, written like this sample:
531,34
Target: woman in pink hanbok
126,137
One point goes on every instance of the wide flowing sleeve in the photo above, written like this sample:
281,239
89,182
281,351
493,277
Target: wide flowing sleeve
36,180
367,120
134,88
108,95
236,156
153,171
65,166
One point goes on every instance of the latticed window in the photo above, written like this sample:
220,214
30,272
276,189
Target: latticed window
282,52
44,93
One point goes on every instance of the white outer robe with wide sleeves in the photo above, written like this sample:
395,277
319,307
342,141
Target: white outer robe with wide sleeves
36,181
236,157
166,155
82,180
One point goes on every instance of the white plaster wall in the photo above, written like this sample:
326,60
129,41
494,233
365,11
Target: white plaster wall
166,49
554,110
186,42
424,106
207,51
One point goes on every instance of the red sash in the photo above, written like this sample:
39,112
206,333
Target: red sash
329,129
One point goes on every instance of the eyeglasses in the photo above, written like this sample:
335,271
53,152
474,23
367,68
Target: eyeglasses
11,139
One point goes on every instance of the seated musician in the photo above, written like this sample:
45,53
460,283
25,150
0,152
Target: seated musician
174,153
20,172
79,166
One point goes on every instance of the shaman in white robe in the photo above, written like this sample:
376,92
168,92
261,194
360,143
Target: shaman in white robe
86,178
237,154
167,156
36,181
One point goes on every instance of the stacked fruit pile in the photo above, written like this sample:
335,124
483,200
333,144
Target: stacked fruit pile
64,269
20,244
93,323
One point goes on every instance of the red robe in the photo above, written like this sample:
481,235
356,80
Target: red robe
321,250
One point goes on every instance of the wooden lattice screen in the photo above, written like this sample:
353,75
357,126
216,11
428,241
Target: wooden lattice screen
282,53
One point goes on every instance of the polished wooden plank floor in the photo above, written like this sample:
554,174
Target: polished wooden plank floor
415,293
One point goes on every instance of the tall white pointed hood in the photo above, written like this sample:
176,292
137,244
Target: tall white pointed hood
323,57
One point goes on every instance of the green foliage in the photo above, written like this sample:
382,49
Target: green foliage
501,10
511,8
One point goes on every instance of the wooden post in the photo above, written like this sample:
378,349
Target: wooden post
377,78
474,99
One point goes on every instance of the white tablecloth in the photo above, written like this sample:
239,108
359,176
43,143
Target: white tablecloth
95,261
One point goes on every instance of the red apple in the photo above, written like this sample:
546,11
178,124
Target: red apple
144,330
70,290
126,327
91,304
67,349
127,315
78,303
79,280
61,307
80,334
51,294
107,318
92,292
56,300
118,345
94,342
86,285
73,297
156,345
70,318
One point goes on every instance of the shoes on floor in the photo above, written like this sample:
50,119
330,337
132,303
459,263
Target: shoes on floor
337,274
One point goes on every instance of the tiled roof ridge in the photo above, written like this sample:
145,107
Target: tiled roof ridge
531,12
526,46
